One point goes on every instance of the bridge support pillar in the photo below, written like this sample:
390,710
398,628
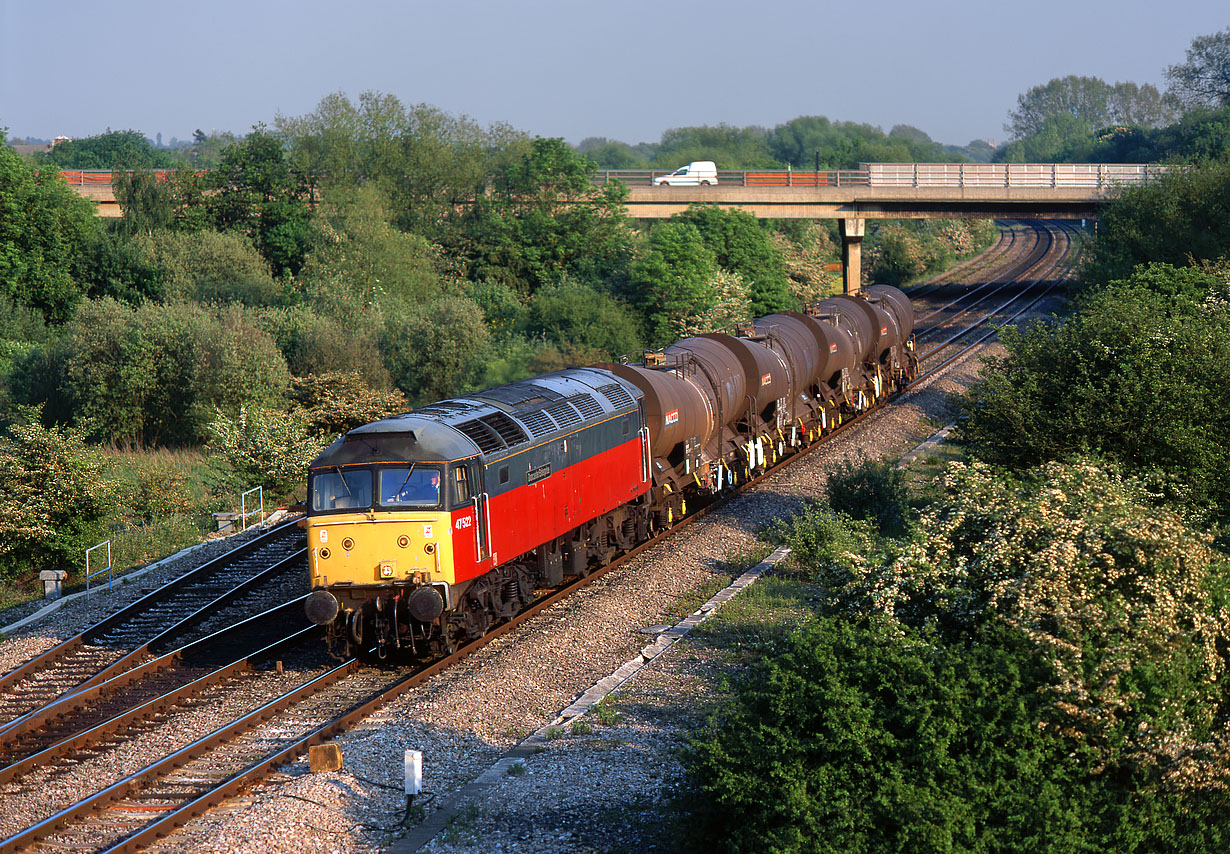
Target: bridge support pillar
852,253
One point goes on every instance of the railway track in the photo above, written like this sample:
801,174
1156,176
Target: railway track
254,577
154,800
1041,266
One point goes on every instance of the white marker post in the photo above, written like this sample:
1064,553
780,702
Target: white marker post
414,775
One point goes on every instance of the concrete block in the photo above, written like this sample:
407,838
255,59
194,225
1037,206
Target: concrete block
324,757
53,582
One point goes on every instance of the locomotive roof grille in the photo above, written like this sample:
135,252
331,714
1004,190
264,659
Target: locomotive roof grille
519,394
484,435
564,414
445,408
510,431
539,422
616,394
588,407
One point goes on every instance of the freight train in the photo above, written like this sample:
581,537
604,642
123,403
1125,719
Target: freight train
426,529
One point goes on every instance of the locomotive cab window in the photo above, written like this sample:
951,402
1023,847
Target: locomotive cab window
413,486
461,486
342,490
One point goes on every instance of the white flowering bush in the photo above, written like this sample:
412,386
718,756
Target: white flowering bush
264,447
1124,603
54,497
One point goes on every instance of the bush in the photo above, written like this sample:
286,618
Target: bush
439,352
209,266
154,374
873,491
338,401
267,448
1138,374
54,497
572,315
854,739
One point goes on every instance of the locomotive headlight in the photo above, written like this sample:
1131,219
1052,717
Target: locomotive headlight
403,541
430,548
348,544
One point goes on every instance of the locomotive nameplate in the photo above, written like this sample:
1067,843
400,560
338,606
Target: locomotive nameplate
536,474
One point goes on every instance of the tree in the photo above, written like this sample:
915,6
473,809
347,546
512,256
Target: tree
44,226
261,194
570,314
1090,100
544,219
741,245
121,149
439,352
1204,80
1174,220
671,282
1138,375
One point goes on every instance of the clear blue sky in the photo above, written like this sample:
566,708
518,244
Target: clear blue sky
572,68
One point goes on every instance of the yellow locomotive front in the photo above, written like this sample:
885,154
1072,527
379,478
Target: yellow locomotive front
382,551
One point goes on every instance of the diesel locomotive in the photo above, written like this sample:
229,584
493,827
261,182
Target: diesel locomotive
426,529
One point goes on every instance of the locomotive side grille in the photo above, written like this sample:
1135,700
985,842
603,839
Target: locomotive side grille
539,422
564,414
510,431
589,407
484,435
616,394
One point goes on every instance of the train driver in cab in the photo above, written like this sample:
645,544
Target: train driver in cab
412,486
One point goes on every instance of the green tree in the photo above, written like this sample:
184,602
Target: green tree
1204,80
1174,220
1091,100
337,401
544,219
570,314
356,242
54,496
671,282
741,245
439,352
121,149
1136,375
270,448
259,193
43,227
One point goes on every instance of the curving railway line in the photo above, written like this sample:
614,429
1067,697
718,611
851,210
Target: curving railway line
148,802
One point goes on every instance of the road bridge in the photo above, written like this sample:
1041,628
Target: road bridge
851,196
893,191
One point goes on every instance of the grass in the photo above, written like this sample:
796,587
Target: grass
607,713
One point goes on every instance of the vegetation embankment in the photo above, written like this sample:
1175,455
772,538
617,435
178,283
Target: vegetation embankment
277,289
1030,650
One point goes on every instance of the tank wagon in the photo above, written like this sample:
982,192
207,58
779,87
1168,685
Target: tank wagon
427,528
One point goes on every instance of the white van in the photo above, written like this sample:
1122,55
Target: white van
695,173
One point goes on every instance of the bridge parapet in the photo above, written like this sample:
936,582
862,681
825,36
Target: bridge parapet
1084,175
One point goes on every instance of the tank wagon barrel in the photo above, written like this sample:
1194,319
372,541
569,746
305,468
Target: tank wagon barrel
426,528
